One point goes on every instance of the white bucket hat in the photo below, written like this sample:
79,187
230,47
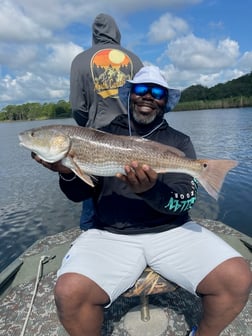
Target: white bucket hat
149,74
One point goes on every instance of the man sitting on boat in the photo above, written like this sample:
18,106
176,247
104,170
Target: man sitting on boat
135,226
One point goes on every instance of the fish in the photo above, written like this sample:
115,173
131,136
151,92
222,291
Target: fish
89,152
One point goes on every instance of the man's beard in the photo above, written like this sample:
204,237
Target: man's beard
143,119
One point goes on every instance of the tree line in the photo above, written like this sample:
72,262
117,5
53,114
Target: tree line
234,93
34,111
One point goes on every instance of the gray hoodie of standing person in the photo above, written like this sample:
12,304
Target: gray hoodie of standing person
98,72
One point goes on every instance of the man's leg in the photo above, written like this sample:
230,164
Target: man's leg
224,291
201,262
113,262
80,303
87,214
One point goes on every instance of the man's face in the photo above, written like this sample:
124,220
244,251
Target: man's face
147,102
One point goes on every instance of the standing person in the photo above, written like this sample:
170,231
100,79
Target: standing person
141,219
96,75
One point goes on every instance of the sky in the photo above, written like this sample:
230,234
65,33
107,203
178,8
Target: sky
192,41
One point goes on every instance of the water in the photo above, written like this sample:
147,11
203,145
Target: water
224,133
32,205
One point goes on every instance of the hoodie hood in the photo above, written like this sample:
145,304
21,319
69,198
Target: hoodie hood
105,30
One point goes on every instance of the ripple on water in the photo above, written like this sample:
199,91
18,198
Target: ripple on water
23,223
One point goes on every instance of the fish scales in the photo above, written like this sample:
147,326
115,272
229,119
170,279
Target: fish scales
107,156
90,152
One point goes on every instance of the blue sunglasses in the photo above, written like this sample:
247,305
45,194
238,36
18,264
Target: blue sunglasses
157,92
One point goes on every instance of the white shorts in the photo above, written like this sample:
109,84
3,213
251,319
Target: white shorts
184,255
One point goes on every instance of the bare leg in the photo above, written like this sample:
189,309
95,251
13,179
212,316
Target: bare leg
80,304
225,292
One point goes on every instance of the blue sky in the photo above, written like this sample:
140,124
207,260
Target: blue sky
193,41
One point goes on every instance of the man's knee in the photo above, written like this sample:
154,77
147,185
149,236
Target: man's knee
233,276
73,290
238,276
244,276
67,293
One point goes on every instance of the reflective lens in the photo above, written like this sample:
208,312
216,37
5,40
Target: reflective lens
157,92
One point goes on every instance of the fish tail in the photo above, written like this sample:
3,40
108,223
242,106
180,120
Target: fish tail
213,174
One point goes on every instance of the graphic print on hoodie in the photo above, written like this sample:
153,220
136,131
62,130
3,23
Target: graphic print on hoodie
110,69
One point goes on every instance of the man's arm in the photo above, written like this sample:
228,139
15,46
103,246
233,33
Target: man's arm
174,193
171,193
78,99
74,188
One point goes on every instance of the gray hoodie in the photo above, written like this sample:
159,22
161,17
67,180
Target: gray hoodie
98,72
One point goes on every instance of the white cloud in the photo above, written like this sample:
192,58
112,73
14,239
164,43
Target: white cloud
245,63
39,39
59,13
60,57
43,89
18,57
44,81
167,28
16,25
198,54
183,78
129,6
41,73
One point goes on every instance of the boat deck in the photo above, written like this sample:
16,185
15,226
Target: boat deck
181,309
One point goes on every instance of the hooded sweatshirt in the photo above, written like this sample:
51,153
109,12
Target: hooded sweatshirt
98,72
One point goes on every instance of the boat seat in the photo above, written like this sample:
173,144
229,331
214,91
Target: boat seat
147,284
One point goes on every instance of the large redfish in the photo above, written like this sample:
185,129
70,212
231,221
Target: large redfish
89,152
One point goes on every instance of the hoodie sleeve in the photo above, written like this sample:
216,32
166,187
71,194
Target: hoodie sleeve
173,194
78,97
74,188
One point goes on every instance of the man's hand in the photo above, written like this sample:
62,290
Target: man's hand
56,166
139,178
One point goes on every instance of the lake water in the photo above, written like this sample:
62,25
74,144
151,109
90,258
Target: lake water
32,205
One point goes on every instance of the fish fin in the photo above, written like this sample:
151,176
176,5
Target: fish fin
159,147
213,174
84,177
70,163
